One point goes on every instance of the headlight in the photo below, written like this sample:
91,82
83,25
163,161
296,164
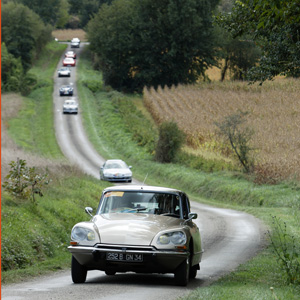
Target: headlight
176,238
81,234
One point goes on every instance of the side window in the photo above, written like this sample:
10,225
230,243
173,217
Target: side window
185,206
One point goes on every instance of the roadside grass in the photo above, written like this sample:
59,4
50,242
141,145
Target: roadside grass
33,128
35,238
111,135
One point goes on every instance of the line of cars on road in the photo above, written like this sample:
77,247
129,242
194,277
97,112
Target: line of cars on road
70,106
136,228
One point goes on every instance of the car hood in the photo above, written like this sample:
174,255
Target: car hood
70,106
132,228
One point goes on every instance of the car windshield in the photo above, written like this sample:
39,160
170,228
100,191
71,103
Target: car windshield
70,102
116,165
141,202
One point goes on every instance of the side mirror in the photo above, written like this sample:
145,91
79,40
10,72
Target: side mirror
130,167
89,211
191,217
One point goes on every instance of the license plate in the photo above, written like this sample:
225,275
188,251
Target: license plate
112,256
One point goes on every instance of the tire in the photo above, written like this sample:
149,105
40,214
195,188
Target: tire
182,274
78,271
193,271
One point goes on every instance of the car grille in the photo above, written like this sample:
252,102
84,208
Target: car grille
124,248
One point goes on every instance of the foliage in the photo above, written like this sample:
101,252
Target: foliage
199,162
11,71
274,26
134,121
50,11
238,137
63,17
85,9
23,32
169,142
153,42
13,78
39,235
239,55
286,248
24,182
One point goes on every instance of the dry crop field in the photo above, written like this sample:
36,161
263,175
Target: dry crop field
274,115
68,34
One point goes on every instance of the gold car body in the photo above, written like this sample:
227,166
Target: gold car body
142,229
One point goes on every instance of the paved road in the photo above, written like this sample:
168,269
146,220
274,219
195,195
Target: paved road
229,237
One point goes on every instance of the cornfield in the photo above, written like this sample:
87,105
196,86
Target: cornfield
68,34
273,113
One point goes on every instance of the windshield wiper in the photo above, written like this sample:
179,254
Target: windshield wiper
138,209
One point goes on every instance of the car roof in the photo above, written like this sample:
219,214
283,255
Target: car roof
139,188
114,160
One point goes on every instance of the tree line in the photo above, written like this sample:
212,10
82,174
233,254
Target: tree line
139,43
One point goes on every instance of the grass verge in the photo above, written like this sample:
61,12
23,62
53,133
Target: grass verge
33,129
35,237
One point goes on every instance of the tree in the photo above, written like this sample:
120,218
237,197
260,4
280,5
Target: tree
11,71
48,10
23,32
153,42
241,55
86,9
275,27
239,137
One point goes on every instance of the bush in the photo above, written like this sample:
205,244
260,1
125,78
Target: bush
169,142
24,182
287,250
93,85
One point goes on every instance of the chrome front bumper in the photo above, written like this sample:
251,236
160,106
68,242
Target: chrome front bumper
154,260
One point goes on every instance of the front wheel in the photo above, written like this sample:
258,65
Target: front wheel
78,271
193,271
182,273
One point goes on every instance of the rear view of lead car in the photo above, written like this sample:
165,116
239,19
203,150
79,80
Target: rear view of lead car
142,229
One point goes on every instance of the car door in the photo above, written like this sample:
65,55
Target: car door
194,230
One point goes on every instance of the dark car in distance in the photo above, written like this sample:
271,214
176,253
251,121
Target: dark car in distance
66,90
